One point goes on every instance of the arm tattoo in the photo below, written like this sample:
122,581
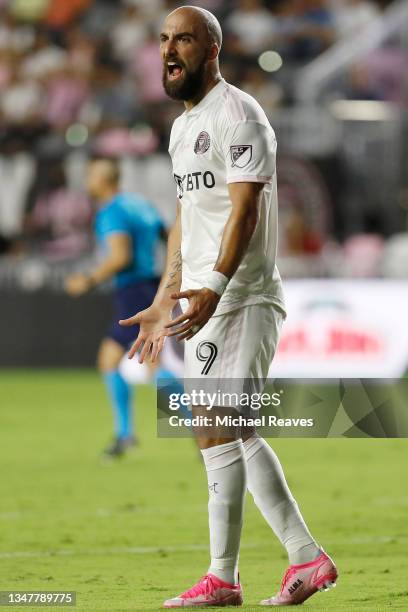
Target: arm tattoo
175,269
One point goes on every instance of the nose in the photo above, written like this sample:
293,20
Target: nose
169,48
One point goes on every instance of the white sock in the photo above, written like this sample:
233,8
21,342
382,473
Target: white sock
226,473
268,486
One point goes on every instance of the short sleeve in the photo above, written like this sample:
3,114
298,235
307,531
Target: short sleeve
250,152
111,222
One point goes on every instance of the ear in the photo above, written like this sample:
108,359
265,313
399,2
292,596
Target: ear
213,52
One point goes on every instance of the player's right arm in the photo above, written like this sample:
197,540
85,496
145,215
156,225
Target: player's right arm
154,319
171,278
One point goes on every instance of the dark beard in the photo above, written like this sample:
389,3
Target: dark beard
189,87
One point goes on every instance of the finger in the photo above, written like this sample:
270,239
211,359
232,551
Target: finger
162,342
183,328
180,319
135,347
145,351
157,348
155,351
190,334
183,294
130,321
186,336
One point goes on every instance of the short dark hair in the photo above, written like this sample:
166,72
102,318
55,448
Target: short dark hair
113,165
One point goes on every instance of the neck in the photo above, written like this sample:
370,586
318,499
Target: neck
106,195
207,87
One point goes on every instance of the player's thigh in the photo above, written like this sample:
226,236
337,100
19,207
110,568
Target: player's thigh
230,357
238,344
208,368
265,322
269,320
110,354
210,354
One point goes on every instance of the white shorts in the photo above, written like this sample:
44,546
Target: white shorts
238,345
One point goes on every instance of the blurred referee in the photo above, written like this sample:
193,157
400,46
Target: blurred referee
129,230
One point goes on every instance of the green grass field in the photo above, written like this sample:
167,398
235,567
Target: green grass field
127,535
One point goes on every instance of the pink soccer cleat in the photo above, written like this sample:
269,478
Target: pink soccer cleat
301,581
209,591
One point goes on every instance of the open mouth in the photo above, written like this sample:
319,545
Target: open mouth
174,70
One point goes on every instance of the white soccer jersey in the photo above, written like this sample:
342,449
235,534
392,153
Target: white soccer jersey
226,138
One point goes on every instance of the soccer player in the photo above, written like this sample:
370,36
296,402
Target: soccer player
221,260
129,229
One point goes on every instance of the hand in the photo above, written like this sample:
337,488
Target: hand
77,284
152,333
202,305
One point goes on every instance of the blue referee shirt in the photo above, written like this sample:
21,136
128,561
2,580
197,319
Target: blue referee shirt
132,215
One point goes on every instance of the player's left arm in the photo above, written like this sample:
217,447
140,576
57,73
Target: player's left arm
118,258
241,224
238,230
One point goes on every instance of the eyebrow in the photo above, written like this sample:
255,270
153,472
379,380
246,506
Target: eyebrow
180,35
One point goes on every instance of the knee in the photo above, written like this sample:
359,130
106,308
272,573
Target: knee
109,356
247,433
204,441
209,433
102,361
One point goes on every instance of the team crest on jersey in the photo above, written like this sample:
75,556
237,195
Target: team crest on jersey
241,155
202,144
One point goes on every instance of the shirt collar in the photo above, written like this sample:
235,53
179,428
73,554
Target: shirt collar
212,94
